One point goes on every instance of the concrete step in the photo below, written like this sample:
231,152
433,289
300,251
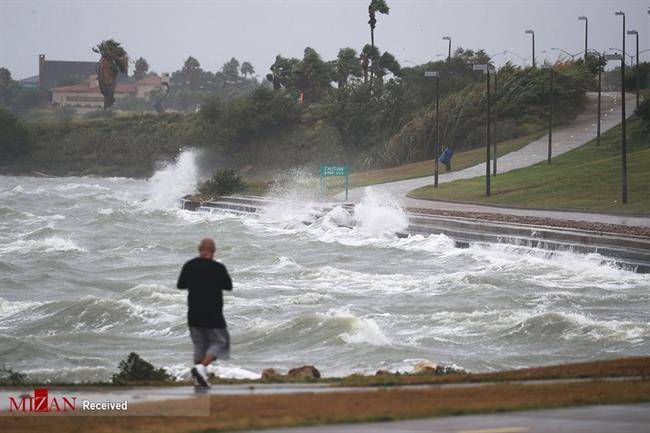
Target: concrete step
629,252
540,232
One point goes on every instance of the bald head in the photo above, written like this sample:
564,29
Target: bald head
207,248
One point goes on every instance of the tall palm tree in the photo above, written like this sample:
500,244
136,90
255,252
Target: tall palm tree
114,60
376,6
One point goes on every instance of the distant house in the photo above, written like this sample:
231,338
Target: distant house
29,82
53,73
86,96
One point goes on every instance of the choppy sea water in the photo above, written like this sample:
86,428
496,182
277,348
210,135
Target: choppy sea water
88,269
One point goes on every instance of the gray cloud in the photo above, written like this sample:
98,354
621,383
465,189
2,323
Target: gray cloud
166,32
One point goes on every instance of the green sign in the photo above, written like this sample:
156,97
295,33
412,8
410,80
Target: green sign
334,171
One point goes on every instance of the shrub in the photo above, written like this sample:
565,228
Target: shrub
14,137
99,114
132,103
223,182
136,369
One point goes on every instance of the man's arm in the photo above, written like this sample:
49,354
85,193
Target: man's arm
183,278
226,282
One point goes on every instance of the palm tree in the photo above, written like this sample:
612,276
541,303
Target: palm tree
376,6
346,65
114,60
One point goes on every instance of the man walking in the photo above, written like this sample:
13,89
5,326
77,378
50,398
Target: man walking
205,279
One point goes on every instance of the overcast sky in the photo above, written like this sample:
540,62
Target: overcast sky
166,32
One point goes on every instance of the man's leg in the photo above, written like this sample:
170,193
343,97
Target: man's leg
207,360
201,344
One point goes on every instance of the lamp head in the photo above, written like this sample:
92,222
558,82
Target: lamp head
529,32
632,32
584,18
446,38
620,13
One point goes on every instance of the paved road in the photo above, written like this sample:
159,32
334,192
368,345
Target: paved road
631,418
565,138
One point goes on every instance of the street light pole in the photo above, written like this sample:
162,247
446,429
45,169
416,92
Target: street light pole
496,99
623,141
636,66
586,20
447,38
600,70
436,146
532,33
550,112
486,70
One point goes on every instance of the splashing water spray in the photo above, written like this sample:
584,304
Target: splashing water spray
173,181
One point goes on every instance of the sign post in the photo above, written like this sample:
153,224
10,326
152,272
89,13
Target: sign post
334,171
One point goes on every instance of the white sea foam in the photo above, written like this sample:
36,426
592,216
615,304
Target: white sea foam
379,213
47,245
362,330
173,181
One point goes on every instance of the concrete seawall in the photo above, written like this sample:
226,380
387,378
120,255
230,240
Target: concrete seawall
625,251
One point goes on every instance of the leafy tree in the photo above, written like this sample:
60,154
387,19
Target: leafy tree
312,76
141,68
247,69
5,78
369,56
191,65
346,65
376,6
113,60
387,63
230,69
282,72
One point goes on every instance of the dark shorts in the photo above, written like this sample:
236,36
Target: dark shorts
212,341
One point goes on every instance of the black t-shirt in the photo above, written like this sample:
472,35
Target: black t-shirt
204,279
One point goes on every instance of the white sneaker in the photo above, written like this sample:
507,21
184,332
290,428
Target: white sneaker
200,374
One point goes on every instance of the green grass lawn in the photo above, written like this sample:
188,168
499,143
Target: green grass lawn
425,168
586,178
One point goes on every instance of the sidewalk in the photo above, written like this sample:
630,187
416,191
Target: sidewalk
565,138
629,418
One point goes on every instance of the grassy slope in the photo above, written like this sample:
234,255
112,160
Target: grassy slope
425,168
586,178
